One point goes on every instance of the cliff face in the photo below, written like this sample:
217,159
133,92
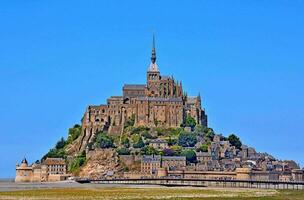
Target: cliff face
81,142
101,163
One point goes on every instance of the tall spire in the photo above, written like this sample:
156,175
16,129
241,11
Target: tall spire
153,66
153,57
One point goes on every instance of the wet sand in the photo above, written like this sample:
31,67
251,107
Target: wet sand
12,186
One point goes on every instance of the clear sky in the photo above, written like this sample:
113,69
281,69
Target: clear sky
246,58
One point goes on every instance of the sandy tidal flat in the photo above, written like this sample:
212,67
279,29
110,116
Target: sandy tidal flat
58,191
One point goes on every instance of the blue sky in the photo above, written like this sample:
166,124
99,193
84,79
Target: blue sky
244,57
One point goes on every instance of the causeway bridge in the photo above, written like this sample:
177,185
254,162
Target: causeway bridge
223,183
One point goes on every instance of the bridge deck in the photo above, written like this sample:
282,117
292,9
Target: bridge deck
202,183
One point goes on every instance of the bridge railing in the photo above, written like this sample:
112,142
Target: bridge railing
201,182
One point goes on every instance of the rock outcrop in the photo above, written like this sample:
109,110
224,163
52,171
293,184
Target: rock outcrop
101,163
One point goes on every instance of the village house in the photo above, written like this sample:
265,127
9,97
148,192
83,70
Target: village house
203,157
150,164
173,162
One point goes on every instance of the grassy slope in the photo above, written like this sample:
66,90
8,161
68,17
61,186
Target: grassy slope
155,193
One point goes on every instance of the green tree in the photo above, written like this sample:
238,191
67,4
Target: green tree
189,122
190,155
55,153
104,141
186,139
177,150
235,141
60,144
58,151
74,133
209,133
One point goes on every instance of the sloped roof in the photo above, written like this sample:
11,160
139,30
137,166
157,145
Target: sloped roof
54,161
134,86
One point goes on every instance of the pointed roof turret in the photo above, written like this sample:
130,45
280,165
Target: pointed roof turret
24,162
199,97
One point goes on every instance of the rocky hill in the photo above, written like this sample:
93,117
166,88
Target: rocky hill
103,154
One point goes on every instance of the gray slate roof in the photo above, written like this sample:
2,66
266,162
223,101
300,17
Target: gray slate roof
160,99
134,86
179,158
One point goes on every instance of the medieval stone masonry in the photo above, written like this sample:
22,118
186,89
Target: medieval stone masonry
159,102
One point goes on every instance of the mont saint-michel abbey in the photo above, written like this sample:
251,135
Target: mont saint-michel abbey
159,102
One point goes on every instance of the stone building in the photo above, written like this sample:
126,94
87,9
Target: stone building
203,157
150,164
173,162
50,170
160,102
55,165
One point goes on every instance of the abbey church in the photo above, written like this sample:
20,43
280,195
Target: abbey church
159,102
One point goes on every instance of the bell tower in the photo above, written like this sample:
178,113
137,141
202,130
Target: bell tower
153,74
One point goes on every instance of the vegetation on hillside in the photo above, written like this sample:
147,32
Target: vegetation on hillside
135,140
189,122
77,162
59,150
103,140
190,155
186,139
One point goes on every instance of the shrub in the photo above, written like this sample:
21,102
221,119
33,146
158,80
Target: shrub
74,133
203,148
123,151
104,141
138,130
139,144
148,150
55,153
147,135
171,141
189,122
168,132
125,142
77,162
190,155
130,121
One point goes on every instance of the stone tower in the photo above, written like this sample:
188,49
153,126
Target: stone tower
153,74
